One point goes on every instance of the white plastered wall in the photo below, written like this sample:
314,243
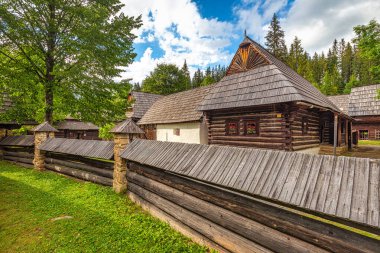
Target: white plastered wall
189,132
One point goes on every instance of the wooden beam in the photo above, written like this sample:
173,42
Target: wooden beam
335,132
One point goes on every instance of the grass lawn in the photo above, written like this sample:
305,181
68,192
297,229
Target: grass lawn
370,142
102,221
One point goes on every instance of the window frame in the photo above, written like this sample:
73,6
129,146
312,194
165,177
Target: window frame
257,124
227,128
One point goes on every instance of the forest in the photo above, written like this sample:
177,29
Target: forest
345,65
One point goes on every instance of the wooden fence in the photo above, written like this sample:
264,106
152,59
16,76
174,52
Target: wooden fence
207,192
89,160
18,149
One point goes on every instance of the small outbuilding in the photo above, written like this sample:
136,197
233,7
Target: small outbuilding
176,118
363,105
71,128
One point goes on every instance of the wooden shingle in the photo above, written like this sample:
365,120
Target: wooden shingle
176,108
263,84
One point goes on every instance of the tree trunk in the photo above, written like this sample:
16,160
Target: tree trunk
49,62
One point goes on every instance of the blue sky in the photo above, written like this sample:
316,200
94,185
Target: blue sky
207,33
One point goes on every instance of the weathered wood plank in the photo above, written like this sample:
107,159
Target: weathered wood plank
360,191
254,231
374,194
313,231
345,196
334,187
218,234
175,223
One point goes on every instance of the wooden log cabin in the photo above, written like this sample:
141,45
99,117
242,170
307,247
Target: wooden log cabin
71,128
261,102
363,105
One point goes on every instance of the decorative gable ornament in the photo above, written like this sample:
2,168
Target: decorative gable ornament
247,57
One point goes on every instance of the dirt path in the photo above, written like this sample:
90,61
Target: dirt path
365,151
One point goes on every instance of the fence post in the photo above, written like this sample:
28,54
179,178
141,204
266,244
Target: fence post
41,133
124,133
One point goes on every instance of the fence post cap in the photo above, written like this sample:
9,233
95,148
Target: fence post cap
44,127
127,126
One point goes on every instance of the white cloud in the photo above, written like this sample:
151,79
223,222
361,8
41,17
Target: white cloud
180,32
254,16
318,22
177,27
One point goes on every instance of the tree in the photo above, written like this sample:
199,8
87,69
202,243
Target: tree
368,42
186,72
165,79
68,53
351,84
197,78
275,41
297,57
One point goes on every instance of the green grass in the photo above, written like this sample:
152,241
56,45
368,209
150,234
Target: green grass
369,142
102,220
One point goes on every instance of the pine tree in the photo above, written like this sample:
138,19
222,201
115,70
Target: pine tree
197,78
275,41
186,72
296,55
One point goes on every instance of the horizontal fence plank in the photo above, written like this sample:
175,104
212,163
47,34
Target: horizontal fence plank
79,174
254,231
220,235
81,166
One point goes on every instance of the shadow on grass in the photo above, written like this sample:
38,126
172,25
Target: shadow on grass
102,220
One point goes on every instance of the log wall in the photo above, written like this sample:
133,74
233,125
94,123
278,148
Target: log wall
19,155
97,171
300,139
273,127
233,222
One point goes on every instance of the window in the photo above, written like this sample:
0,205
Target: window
251,127
176,131
363,134
232,127
305,125
377,134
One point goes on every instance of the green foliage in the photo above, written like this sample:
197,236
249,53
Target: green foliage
165,79
275,39
104,131
23,130
102,221
61,57
368,42
207,80
353,82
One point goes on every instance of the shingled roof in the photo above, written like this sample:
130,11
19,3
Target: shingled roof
341,101
364,101
143,101
128,126
44,127
76,125
255,77
177,107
